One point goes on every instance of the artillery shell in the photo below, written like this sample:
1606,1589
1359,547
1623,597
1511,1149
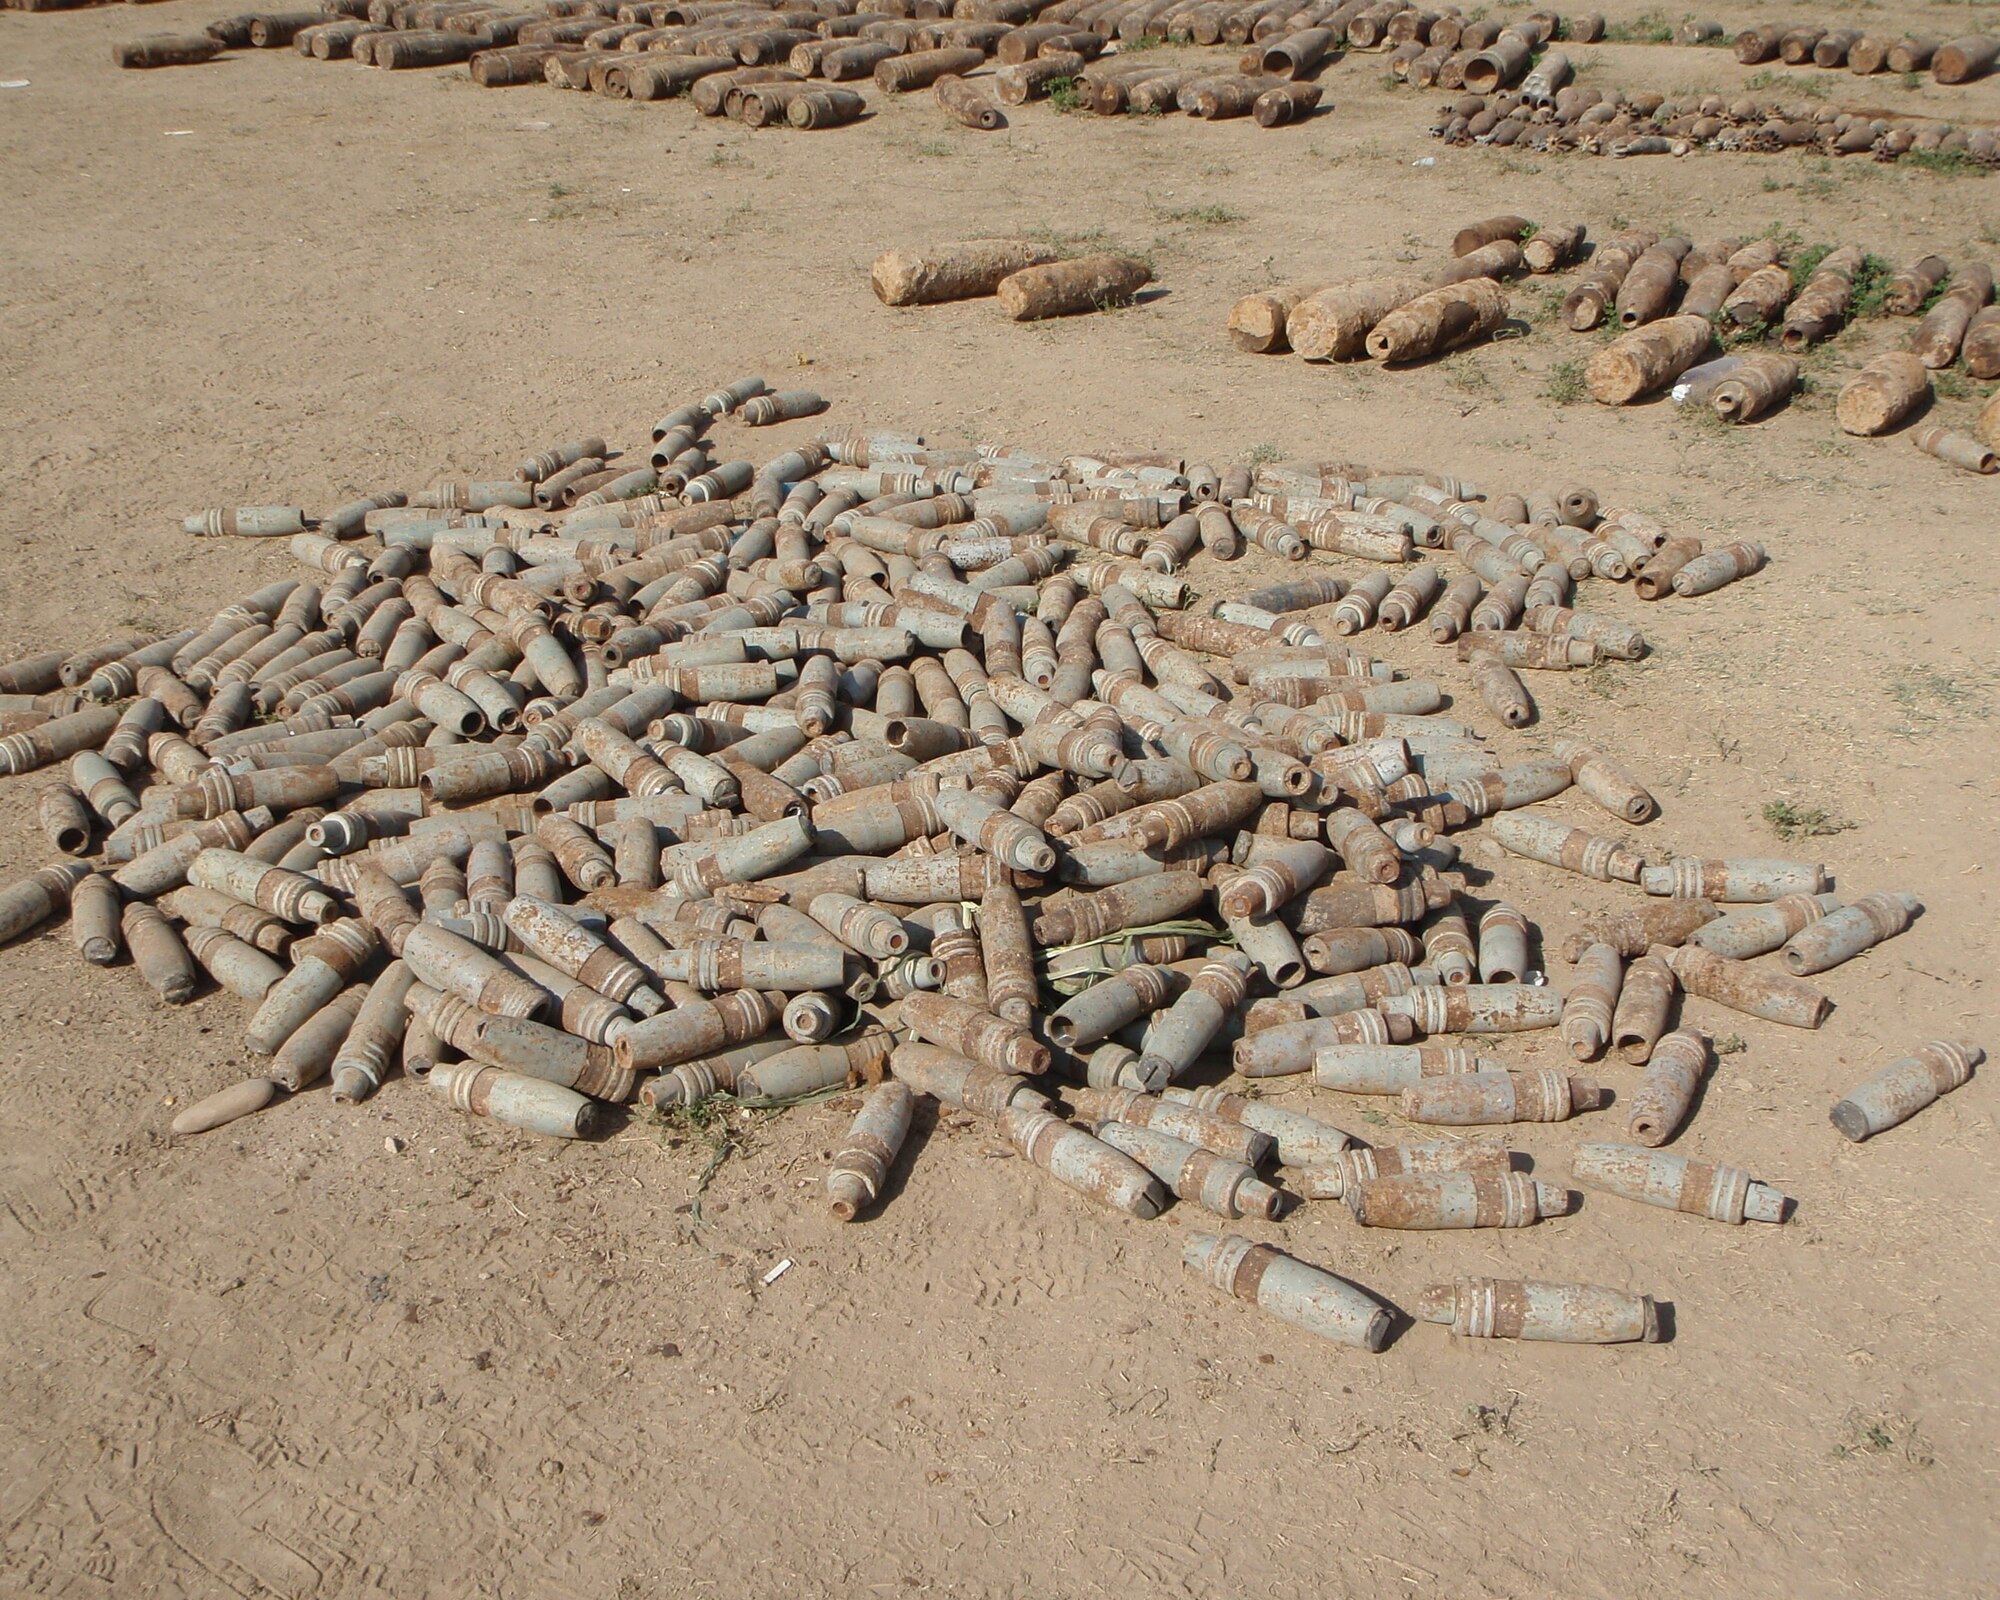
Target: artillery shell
1085,1164
1588,1008
532,1104
1644,1001
691,1031
868,1150
1454,1200
1678,1183
1075,918
1557,844
290,895
1521,1308
1957,449
1330,1180
808,1068
1733,881
1183,1031
1646,359
1884,392
1296,1139
1843,934
959,1081
225,1106
1390,1069
955,1025
1503,945
1064,288
1752,990
1476,1007
1228,1188
1439,320
1500,686
241,968
1184,1121
1755,386
1484,1097
1356,949
1633,933
159,954
1286,1287
1904,1087
1713,568
1607,785
1759,929
1667,1087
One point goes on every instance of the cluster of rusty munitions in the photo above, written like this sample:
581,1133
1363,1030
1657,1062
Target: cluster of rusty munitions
1671,295
770,65
1616,122
658,777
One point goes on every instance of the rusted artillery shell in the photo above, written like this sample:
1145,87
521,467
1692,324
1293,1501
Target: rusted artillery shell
965,102
157,951
1065,288
240,968
1552,247
1842,935
1073,918
1713,568
1759,929
1439,320
1216,1183
718,965
957,1080
1334,323
1962,60
825,108
1503,945
572,949
1733,881
1521,1308
1645,999
290,895
1477,235
1073,1157
1667,1087
1257,322
95,916
532,1104
1356,949
954,1025
225,1106
1278,874
1180,1033
1183,1120
1296,1139
1484,1097
1105,1007
1589,1007
1454,1200
1646,359
1956,449
1607,785
57,739
1476,1007
1500,259
1903,1088
1749,989
1649,287
868,1150
1883,393
691,1031
1009,954
1905,292
303,1059
1390,1069
865,929
986,825
1302,1295
1330,1180
1633,933
1981,349
257,522
1286,102
1546,839
807,1068
1500,686
1678,1183
66,819
1448,947
166,50
531,1048
1290,1046
922,68
376,1038
458,966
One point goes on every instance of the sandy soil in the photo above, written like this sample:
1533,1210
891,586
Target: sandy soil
329,1353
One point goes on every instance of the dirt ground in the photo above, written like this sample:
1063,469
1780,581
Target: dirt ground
331,1352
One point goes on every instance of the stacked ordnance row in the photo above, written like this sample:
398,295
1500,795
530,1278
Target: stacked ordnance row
1543,115
1030,280
1950,61
1674,298
604,782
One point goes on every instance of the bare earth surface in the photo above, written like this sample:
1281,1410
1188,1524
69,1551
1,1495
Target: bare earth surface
283,1360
